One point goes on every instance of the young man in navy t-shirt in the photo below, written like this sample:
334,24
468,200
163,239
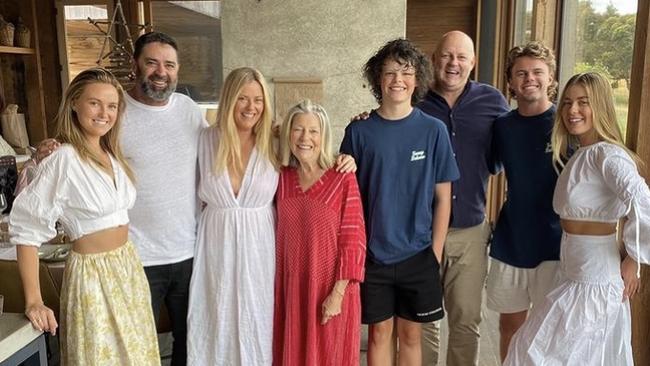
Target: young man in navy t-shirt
525,248
405,168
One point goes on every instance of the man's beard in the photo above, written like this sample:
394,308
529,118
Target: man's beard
160,95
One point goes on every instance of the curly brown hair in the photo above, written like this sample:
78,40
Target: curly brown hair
405,53
537,50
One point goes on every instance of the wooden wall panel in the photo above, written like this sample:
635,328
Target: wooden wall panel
502,42
427,21
84,43
638,139
50,65
290,91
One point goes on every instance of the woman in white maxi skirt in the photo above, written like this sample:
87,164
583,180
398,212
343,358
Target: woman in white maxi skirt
585,319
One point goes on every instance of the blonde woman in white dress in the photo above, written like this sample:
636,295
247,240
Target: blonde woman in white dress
230,315
87,185
586,319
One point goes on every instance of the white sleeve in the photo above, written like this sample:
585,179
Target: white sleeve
195,113
36,209
622,177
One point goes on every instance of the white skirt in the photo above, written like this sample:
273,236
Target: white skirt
583,320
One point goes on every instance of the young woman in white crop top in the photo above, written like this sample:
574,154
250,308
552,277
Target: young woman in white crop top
87,185
586,319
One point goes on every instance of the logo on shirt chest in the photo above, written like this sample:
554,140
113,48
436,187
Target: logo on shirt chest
549,148
417,155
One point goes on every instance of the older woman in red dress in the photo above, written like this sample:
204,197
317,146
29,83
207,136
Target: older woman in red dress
321,248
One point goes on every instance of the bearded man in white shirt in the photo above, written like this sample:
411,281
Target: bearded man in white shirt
160,131
159,138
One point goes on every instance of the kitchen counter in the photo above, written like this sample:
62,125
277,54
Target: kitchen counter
19,341
56,267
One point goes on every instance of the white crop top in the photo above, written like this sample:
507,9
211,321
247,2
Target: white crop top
601,183
81,196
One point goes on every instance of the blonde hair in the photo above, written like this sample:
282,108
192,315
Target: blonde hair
325,158
228,152
69,129
604,122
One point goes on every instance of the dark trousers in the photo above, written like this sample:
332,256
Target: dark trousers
171,283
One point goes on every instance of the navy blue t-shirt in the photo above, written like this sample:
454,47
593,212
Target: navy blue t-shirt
399,163
528,230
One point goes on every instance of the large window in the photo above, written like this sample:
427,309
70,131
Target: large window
523,22
598,35
196,26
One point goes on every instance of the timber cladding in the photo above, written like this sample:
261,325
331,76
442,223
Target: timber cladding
291,91
427,21
84,43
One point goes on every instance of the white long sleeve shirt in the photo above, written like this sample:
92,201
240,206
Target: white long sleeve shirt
601,183
84,198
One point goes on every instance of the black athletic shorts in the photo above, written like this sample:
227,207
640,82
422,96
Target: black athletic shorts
410,289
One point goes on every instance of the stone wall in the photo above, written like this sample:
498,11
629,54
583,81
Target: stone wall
328,40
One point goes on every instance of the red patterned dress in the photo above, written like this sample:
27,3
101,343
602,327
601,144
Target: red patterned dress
320,239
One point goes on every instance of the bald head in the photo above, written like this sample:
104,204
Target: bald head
453,60
455,39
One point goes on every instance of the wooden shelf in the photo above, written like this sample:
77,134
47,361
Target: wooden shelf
22,76
17,50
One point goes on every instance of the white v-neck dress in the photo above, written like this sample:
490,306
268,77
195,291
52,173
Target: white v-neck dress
230,317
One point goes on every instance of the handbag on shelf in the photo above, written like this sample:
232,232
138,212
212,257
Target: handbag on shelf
13,127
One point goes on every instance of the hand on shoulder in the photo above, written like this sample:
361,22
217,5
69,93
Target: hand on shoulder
360,117
345,164
44,149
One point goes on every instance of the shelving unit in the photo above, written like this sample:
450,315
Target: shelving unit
17,50
21,72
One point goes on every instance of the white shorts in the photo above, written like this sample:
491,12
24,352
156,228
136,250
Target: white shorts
512,289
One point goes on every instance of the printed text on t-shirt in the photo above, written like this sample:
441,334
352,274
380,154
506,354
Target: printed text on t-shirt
417,155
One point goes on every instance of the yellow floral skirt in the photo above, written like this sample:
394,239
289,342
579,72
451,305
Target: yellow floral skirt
106,316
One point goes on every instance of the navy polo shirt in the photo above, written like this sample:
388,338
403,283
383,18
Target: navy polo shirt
399,163
469,124
528,231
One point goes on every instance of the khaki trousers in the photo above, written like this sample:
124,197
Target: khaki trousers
464,268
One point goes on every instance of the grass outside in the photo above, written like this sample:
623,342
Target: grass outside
621,97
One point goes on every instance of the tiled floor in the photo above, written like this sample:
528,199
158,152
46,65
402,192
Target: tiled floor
489,347
489,355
